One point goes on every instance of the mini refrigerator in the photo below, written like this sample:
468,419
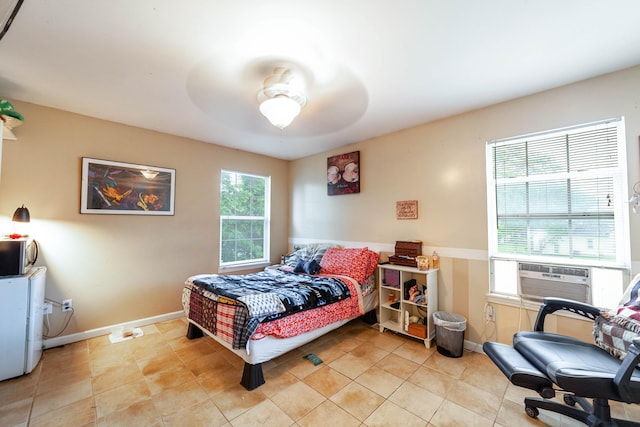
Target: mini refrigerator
21,320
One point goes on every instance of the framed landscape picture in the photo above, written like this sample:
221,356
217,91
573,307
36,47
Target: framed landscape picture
343,174
126,189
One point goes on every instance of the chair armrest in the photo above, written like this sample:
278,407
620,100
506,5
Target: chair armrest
623,377
552,304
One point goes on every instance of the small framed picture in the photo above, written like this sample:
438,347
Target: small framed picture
118,188
407,209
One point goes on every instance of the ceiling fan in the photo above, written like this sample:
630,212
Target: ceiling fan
8,12
282,97
235,95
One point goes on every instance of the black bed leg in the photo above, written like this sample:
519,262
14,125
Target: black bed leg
194,332
252,377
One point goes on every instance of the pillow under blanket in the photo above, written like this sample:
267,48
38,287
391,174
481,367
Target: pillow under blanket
309,267
314,251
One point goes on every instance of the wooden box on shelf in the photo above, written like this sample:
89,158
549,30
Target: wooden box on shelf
406,253
418,330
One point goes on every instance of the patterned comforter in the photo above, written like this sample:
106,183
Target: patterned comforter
614,330
271,302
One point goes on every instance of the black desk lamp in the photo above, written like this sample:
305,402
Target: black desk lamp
21,215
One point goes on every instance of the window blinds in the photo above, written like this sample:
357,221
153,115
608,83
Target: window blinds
554,193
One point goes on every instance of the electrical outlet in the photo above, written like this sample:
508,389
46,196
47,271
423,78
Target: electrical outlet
67,305
47,308
490,313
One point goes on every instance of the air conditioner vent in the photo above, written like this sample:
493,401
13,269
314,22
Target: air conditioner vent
555,269
537,281
571,271
540,268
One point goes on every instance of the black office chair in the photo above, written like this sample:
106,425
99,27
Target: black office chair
547,363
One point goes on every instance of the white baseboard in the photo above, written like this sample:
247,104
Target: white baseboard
472,346
106,330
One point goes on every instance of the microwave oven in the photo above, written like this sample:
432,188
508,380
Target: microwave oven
17,256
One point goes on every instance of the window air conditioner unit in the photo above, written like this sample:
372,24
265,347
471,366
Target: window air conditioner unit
537,281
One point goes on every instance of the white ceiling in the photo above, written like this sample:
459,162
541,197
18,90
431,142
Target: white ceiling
193,67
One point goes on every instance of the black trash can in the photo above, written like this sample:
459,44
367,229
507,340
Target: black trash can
450,329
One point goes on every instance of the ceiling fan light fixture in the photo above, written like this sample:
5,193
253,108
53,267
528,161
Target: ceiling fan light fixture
280,111
282,97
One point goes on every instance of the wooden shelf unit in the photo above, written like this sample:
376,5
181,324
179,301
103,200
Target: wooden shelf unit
393,317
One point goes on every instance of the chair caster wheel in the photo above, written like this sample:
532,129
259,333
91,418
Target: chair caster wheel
569,400
532,412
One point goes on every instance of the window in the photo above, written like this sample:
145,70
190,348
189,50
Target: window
558,197
244,218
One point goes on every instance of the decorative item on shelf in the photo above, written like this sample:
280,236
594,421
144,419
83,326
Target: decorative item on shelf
418,295
435,260
391,278
414,293
408,285
423,262
10,118
406,253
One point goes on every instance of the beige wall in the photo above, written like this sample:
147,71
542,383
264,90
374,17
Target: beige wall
119,268
123,268
442,165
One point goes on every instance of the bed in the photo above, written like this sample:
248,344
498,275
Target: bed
263,315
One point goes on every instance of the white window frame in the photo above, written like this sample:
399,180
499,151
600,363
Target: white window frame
600,295
257,262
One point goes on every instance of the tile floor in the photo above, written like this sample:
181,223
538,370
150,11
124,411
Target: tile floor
366,379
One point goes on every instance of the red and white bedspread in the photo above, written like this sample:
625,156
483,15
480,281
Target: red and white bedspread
316,318
219,316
